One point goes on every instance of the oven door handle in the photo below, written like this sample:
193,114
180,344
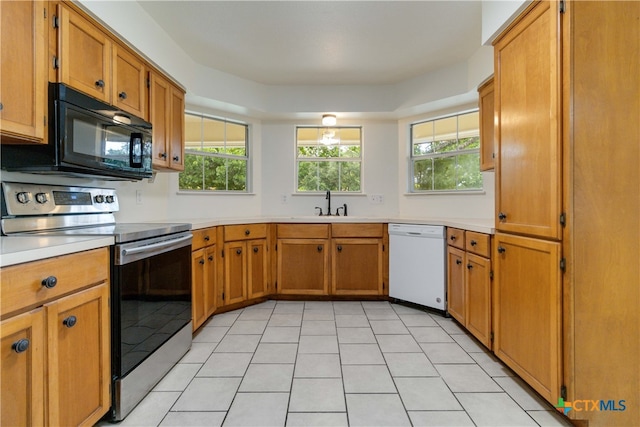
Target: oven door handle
155,246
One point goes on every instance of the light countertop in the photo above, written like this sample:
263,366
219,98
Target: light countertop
25,248
19,249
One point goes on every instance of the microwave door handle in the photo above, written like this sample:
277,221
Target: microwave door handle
154,246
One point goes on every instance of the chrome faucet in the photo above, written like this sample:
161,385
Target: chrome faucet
328,197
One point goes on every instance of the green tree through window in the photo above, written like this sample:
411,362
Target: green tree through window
216,155
328,159
445,154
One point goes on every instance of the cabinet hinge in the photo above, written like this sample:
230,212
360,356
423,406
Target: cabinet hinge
276,247
56,63
491,336
148,83
563,219
563,392
223,253
491,275
562,6
383,248
55,22
276,286
563,264
45,13
223,296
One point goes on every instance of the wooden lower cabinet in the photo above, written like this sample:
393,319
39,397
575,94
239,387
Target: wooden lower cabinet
527,310
21,369
456,295
257,268
303,266
78,357
56,360
246,273
203,276
357,266
478,297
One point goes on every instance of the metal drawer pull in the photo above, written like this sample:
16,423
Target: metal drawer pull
176,158
339,248
502,216
473,243
210,258
206,238
70,321
100,83
501,250
319,248
255,249
50,282
201,261
239,251
469,266
20,346
122,95
247,231
453,238
458,261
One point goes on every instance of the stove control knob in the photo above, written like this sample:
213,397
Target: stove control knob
23,197
110,199
42,198
99,198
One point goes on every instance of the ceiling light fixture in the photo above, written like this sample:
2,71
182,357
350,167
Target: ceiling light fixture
328,120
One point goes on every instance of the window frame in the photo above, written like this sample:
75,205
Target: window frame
248,157
413,158
298,159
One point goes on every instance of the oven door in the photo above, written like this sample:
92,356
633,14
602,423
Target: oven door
150,297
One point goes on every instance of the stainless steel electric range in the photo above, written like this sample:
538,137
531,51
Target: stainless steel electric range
150,278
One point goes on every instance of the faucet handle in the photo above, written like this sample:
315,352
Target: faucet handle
318,207
338,210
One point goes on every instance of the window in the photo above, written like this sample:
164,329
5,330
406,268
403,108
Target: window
445,154
216,155
328,159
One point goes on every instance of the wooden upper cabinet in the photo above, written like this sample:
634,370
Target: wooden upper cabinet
166,114
84,53
527,100
23,74
129,82
486,106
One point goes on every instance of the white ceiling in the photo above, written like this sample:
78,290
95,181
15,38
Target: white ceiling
322,42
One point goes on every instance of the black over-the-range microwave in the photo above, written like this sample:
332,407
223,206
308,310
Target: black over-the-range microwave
87,137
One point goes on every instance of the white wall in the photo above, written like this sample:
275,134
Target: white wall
496,16
379,175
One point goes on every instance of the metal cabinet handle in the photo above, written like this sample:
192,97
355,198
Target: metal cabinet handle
50,282
122,95
339,248
469,266
255,249
452,238
163,155
502,216
201,262
458,261
206,238
247,232
176,158
100,83
70,321
210,258
239,251
20,346
501,250
319,248
473,243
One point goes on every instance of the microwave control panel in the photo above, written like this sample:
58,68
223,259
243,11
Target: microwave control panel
21,199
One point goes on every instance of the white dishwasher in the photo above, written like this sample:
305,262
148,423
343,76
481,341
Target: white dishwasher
417,264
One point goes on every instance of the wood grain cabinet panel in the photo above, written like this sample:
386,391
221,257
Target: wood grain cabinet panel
303,266
23,74
486,106
235,277
456,295
22,348
129,82
357,266
478,297
455,237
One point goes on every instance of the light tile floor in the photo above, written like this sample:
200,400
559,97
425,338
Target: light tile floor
317,363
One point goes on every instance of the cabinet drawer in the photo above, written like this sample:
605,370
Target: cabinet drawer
303,231
455,237
245,232
203,237
22,284
478,243
356,230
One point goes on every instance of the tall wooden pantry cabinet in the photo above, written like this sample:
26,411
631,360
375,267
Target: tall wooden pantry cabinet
567,261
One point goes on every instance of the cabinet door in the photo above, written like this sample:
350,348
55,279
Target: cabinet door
455,283
198,293
78,357
303,266
527,311
527,89
85,55
159,101
129,82
23,75
486,106
257,268
357,266
176,129
210,281
235,272
478,297
21,370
